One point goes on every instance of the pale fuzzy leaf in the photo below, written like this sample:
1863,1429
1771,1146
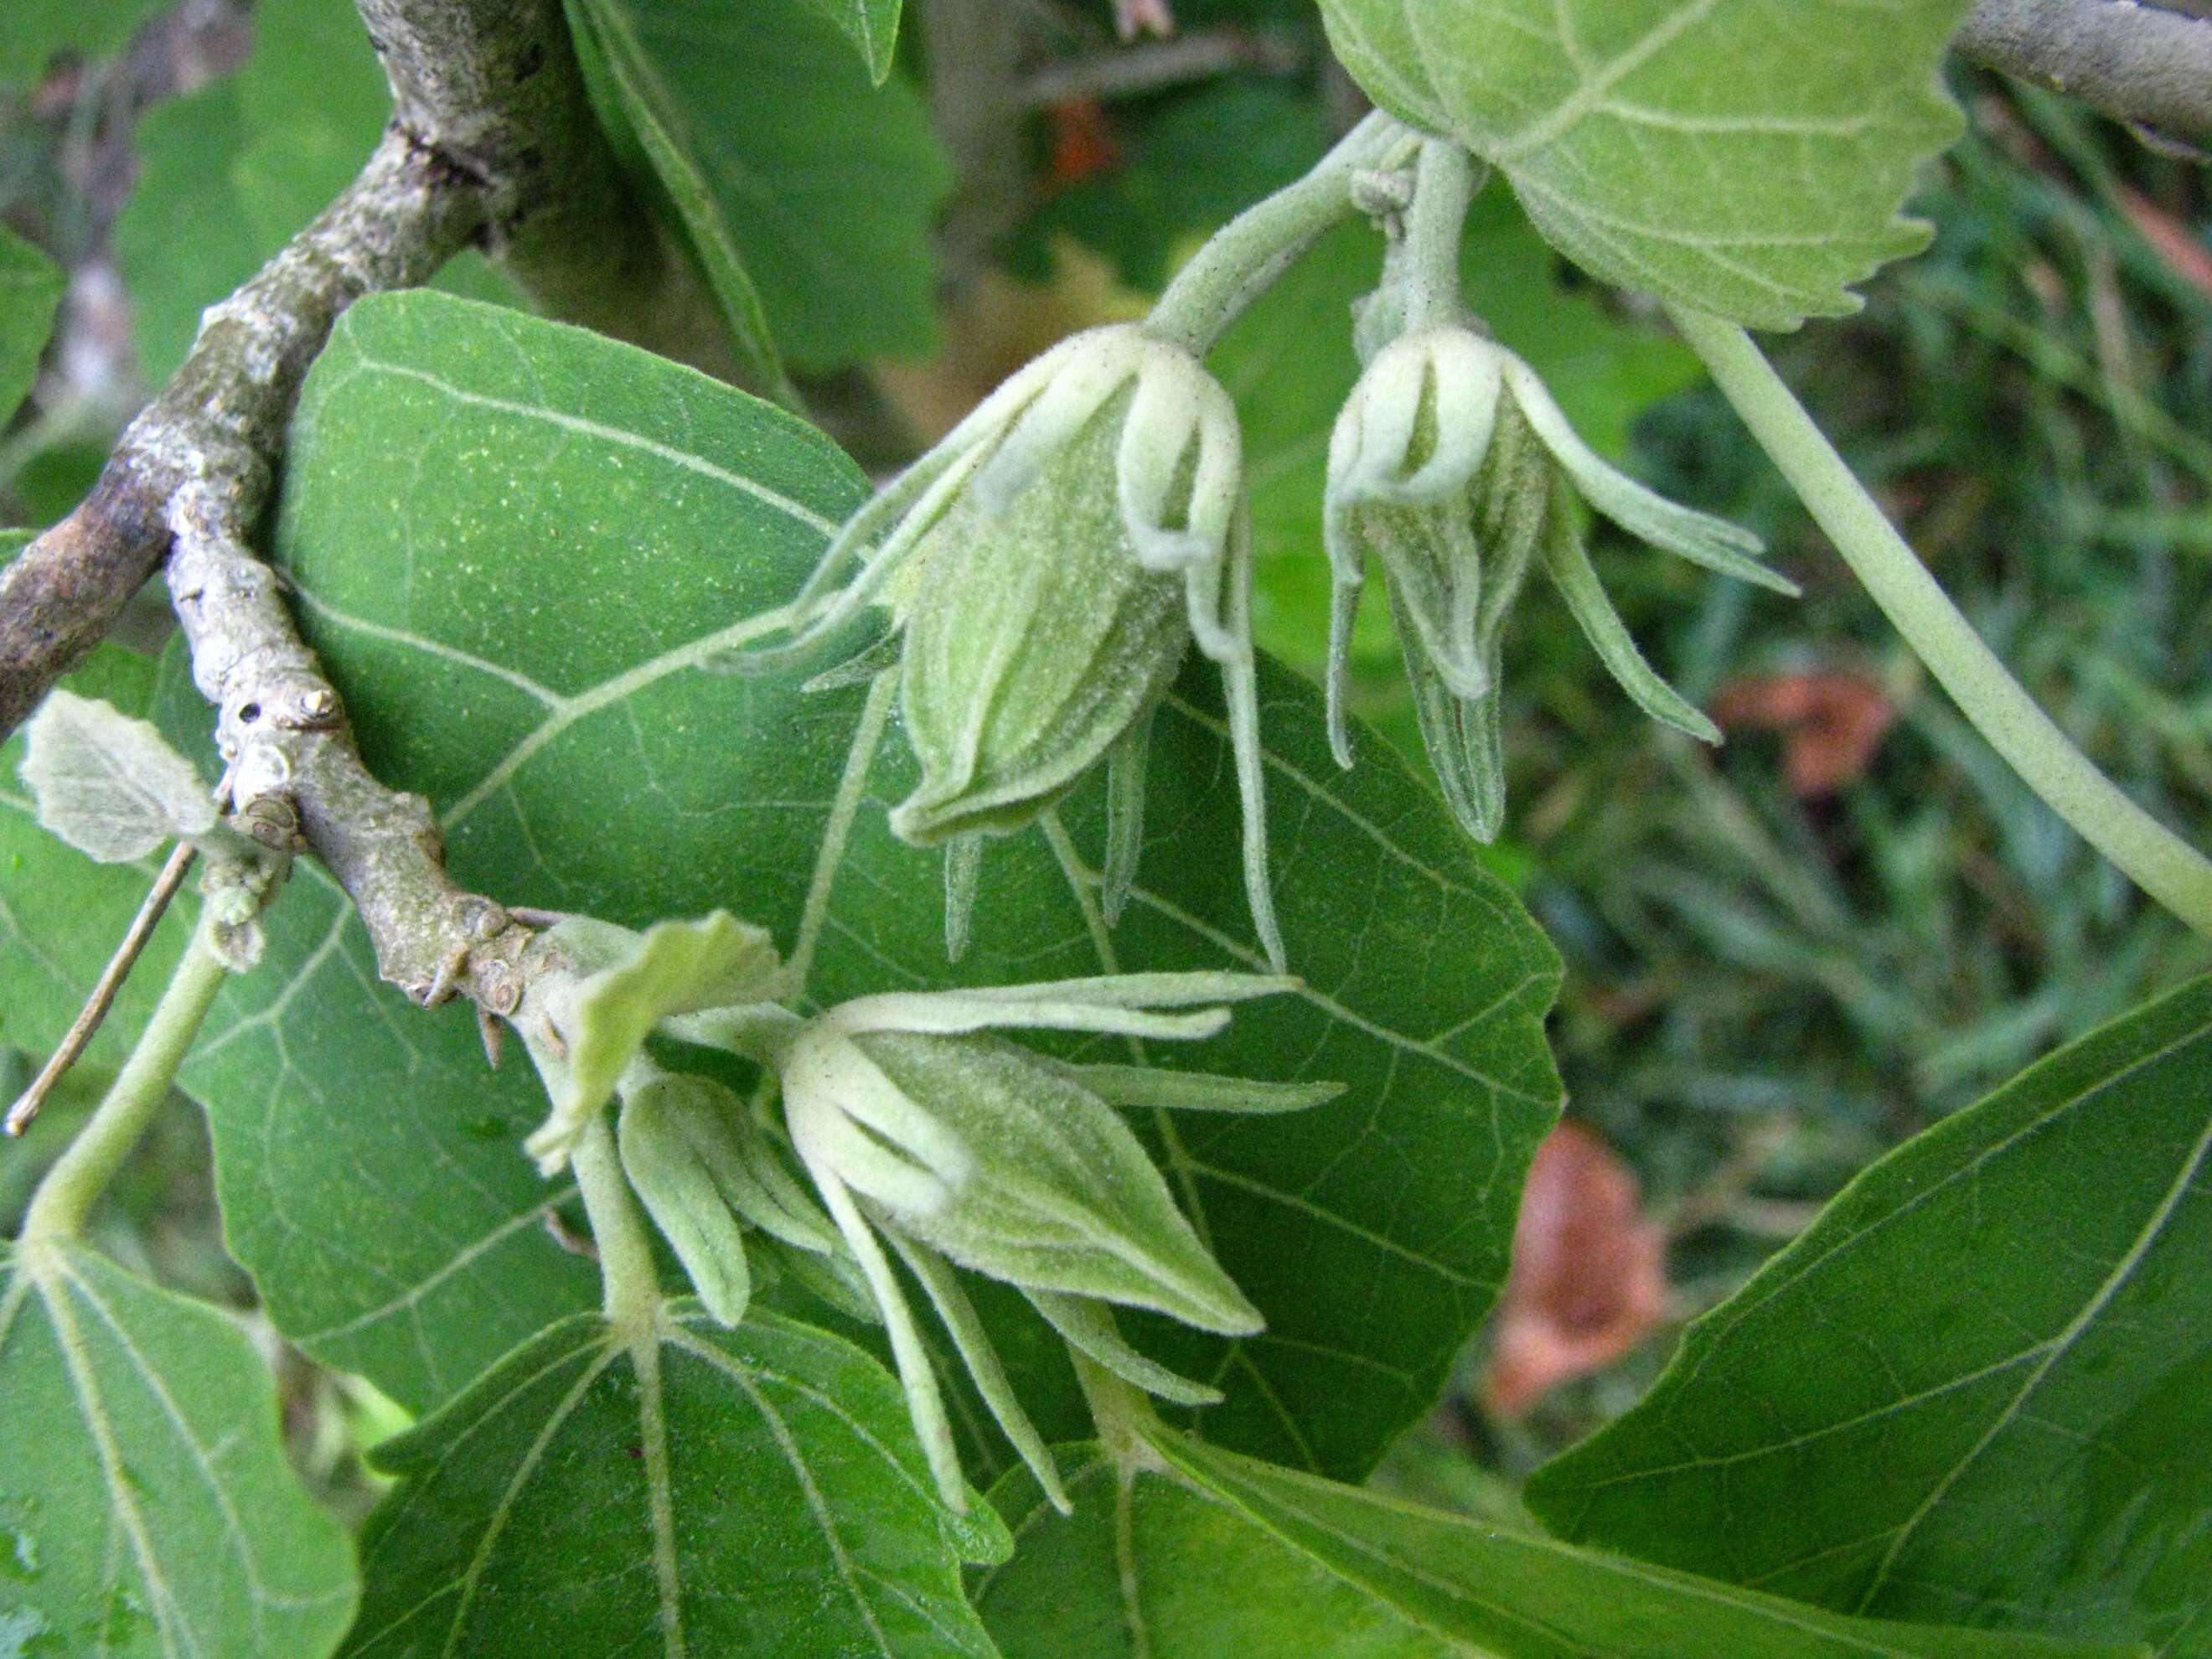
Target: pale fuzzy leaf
146,1507
1198,1553
2009,1318
749,1494
674,1185
676,968
579,762
1746,157
108,785
30,292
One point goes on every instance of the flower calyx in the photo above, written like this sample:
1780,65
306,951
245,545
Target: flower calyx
1452,465
954,1146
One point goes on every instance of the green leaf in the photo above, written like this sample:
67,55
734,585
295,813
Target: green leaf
754,1493
1972,1389
787,167
1199,1553
35,32
231,173
514,544
30,293
1746,157
874,27
146,1506
606,39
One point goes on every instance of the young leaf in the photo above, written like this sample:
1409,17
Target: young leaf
30,291
609,523
61,913
108,785
874,27
754,1493
1746,157
1205,1553
786,164
1974,1383
145,1503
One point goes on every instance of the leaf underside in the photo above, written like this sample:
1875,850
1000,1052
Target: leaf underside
1745,157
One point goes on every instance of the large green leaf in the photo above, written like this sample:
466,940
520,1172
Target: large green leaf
30,290
1747,157
1203,1553
514,544
751,1494
1978,1388
787,168
145,1504
34,31
231,173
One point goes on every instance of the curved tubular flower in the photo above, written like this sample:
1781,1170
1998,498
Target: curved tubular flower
1046,568
1452,464
958,1147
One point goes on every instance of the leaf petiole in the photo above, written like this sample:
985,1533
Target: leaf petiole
65,1197
2155,859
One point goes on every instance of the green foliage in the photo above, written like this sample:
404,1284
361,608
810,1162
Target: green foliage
792,176
30,292
873,26
608,523
2011,1304
145,1505
35,32
1746,157
755,1493
231,173
1192,1553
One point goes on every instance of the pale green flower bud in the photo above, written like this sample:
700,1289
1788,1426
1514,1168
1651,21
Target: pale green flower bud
1451,465
960,1147
1047,567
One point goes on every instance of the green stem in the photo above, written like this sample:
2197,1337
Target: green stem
630,1284
1121,1413
66,1196
1241,259
867,737
1443,190
2153,857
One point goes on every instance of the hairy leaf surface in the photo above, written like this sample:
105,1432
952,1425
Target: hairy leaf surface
754,1493
515,544
1209,1554
1747,157
1975,1387
146,1507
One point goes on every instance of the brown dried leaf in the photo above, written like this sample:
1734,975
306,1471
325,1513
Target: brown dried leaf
1589,1273
1833,724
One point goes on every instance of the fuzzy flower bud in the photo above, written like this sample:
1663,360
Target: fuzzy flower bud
960,1148
1452,466
1046,568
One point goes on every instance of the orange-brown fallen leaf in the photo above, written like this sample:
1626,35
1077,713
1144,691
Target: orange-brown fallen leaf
1833,724
1589,1273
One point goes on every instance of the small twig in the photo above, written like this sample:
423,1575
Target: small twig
1130,71
2138,64
26,1109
